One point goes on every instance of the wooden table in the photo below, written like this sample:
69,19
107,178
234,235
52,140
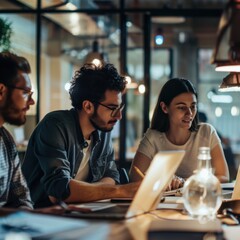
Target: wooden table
130,229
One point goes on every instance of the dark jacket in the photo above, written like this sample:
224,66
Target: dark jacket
54,155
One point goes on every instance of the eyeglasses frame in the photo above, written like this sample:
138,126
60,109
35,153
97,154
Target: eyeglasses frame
115,110
28,92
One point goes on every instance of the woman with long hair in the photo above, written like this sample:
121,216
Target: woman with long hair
175,126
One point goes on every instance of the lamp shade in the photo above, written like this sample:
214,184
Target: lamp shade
230,83
95,56
226,55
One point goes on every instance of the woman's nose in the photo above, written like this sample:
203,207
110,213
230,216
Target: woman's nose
189,111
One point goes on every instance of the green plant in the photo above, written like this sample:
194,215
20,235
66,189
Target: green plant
5,34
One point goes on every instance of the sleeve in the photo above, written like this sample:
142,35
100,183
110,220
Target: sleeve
111,167
146,145
214,138
50,149
19,195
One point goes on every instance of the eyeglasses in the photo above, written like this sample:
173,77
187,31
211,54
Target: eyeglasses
27,93
115,110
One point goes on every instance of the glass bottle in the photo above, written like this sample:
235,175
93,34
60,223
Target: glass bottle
202,194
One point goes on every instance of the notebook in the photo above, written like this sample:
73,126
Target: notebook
148,195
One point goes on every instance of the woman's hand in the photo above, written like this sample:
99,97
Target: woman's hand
177,182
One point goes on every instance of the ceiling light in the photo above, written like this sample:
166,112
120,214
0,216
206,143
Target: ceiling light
159,38
221,99
141,88
226,55
67,86
231,83
131,84
95,56
218,112
235,111
168,20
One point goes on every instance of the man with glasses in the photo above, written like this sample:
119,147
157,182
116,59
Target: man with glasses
15,100
70,156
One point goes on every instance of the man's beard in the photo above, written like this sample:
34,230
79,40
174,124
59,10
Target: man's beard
95,120
11,114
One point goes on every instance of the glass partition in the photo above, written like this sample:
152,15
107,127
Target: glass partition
180,46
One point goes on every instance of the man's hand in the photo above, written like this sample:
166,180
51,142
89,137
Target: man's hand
128,190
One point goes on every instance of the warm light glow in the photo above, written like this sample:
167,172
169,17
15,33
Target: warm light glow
97,62
230,89
130,83
228,68
168,20
141,88
128,79
231,83
67,86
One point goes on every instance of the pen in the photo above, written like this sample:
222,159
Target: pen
139,172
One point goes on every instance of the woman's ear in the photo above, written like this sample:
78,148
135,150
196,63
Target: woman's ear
88,106
163,107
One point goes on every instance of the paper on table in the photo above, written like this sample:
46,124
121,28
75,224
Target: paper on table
175,206
229,186
175,192
95,206
171,202
231,232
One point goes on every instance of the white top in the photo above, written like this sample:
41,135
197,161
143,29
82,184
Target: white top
83,170
155,141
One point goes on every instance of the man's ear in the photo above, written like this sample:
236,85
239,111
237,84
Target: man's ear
163,107
88,106
2,90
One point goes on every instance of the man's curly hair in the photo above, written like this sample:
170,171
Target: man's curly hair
90,82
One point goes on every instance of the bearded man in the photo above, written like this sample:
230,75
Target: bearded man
70,156
15,100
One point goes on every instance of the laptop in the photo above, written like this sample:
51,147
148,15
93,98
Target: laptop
149,193
236,188
232,202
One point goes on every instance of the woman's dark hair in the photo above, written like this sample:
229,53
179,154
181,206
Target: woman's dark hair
171,89
10,64
91,82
